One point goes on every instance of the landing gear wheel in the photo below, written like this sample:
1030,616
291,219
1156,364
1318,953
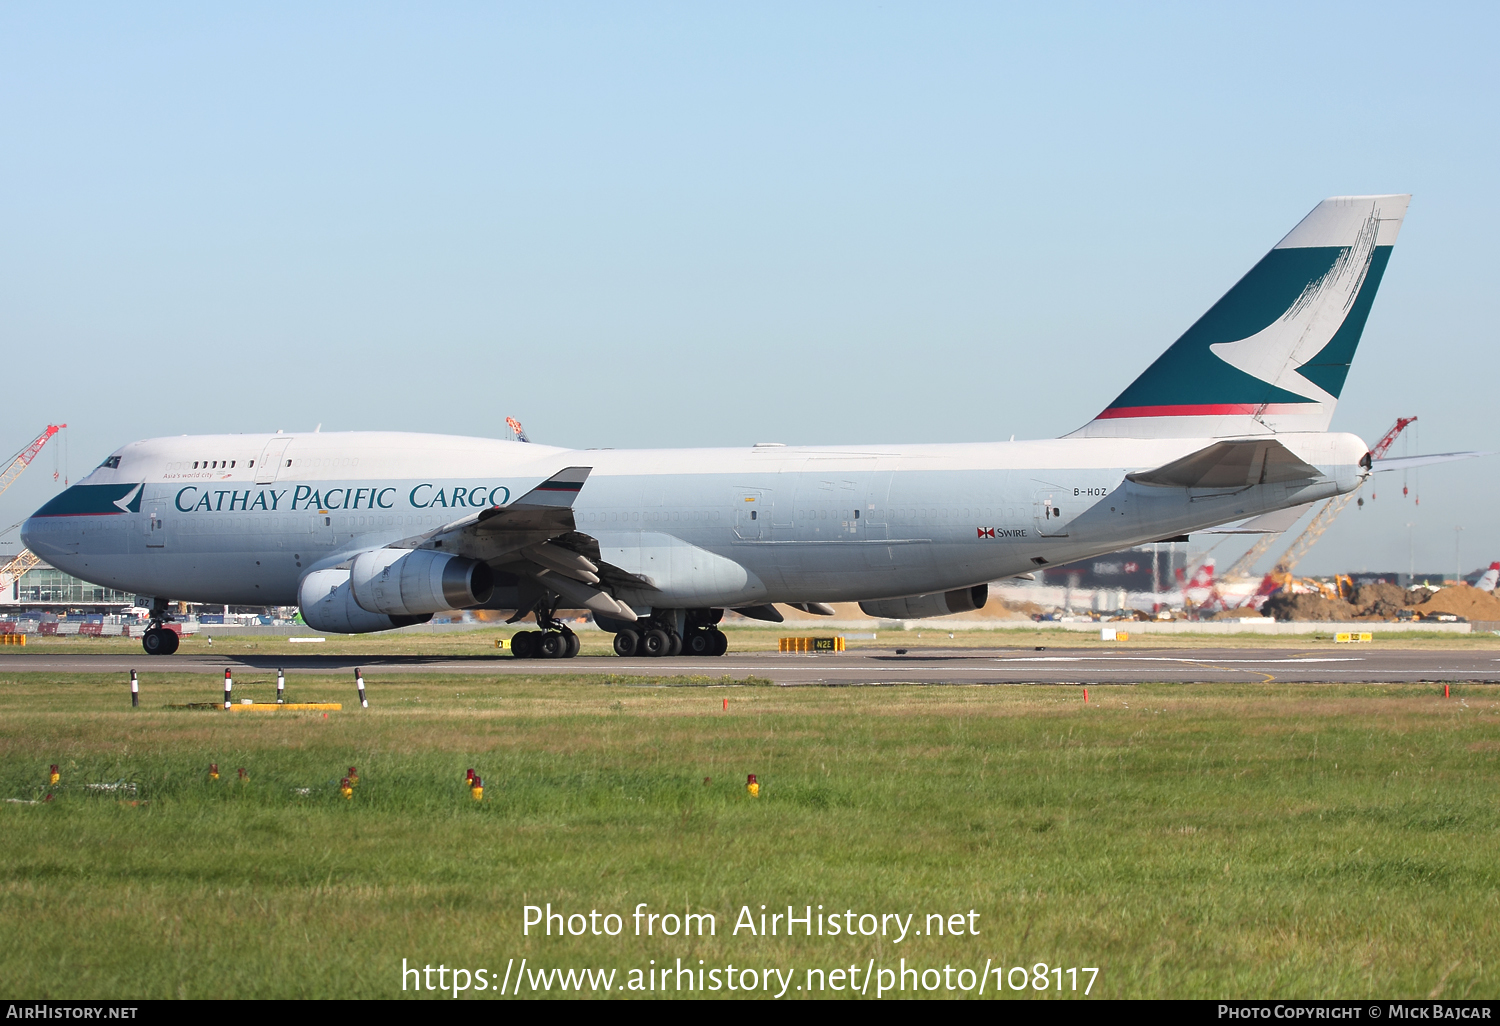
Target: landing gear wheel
159,641
699,643
551,646
655,643
721,642
573,646
675,648
523,645
627,643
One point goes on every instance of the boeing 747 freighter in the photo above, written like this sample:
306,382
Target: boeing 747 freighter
368,531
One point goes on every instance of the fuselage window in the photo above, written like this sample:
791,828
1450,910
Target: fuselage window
232,463
252,463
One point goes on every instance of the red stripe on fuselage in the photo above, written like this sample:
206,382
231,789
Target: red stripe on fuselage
1206,410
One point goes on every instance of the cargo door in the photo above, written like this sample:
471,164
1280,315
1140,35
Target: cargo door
1053,512
752,511
154,524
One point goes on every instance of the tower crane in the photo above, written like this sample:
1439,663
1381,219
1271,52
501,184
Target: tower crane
16,567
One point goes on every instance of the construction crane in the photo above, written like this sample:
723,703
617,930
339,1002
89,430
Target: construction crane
25,560
21,460
1319,523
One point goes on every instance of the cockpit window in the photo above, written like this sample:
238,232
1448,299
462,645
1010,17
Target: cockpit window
113,463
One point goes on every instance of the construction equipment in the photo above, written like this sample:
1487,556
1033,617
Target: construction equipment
1281,575
21,460
1319,523
18,567
1334,506
25,560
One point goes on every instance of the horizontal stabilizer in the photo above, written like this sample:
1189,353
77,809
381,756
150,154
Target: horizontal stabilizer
1412,462
1236,464
1267,523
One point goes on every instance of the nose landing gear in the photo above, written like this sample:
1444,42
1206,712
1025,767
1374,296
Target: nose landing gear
158,639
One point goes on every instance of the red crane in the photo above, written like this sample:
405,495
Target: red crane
23,459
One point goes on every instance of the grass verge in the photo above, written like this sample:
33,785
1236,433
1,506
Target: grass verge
1189,841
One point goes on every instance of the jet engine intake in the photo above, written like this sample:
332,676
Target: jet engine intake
328,604
917,607
411,582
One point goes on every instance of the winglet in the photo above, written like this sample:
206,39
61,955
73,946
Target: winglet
559,490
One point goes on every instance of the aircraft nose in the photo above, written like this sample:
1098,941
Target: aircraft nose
39,534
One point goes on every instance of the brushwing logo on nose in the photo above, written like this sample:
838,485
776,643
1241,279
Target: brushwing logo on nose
125,503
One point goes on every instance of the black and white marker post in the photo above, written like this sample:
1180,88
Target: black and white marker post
228,687
135,691
280,687
359,682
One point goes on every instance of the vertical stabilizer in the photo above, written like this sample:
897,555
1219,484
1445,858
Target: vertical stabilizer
1272,354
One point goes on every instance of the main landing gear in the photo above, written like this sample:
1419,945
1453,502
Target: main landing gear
554,641
658,636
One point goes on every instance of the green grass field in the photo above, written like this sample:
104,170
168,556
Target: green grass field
1194,841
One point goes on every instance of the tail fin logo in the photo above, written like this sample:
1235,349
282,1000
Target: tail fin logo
1277,353
1272,354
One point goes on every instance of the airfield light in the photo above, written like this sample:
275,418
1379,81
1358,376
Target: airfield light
359,682
243,774
476,789
52,775
470,778
228,687
345,788
280,686
213,771
135,690
752,786
353,775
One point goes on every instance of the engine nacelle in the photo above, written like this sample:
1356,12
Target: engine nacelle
916,607
411,582
328,604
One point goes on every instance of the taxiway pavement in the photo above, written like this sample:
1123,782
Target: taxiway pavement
1321,665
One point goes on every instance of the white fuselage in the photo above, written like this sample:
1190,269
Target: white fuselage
706,527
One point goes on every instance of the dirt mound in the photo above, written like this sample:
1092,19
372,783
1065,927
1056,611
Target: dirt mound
1392,595
1235,614
1308,607
1462,600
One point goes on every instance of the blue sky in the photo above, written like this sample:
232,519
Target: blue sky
657,225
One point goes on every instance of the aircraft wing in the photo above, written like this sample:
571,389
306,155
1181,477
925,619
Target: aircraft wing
1231,464
1412,462
536,537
